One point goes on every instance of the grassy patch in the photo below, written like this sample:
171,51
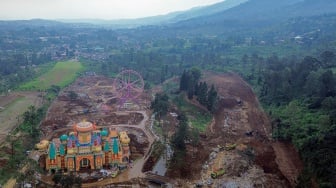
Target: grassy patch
12,107
157,128
198,117
200,120
62,74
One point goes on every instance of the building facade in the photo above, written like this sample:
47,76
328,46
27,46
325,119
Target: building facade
88,148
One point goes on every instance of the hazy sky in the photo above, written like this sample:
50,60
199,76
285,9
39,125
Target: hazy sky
104,9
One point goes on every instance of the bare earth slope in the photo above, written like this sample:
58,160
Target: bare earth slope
257,160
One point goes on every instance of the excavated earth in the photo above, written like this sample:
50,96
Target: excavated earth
256,161
96,100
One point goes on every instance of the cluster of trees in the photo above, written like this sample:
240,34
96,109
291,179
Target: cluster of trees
160,104
189,80
283,80
18,68
189,83
178,142
31,121
19,145
183,135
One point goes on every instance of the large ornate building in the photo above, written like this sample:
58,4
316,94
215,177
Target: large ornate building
88,148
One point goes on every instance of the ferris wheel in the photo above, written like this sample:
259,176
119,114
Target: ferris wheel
129,85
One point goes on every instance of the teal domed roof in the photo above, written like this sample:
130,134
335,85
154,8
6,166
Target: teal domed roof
106,146
52,151
104,132
64,137
62,150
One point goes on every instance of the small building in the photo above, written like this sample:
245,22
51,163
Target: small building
88,148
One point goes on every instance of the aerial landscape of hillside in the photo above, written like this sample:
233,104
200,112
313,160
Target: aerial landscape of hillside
232,93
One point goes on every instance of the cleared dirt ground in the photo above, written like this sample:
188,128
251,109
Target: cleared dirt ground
94,99
257,161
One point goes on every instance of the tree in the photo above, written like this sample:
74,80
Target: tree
181,133
328,58
212,98
160,104
202,93
319,154
183,81
54,89
327,88
189,80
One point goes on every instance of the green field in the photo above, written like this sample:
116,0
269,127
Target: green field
198,118
62,74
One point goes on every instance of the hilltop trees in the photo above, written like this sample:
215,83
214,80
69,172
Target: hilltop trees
189,81
212,98
190,84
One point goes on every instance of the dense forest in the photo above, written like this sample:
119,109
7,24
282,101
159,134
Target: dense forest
299,95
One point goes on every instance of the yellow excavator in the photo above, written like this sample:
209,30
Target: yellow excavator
215,174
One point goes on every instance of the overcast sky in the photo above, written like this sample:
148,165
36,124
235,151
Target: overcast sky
103,9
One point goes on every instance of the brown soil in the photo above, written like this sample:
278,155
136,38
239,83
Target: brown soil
149,164
137,148
3,162
96,102
240,120
7,99
289,162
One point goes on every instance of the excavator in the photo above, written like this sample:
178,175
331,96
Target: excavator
215,174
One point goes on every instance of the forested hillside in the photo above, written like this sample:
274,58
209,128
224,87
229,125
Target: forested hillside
299,95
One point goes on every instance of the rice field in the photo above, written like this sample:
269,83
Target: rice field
62,74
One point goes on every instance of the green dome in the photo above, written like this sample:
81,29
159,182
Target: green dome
115,146
64,137
104,132
106,147
52,151
62,150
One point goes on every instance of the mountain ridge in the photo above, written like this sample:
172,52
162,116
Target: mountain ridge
170,18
